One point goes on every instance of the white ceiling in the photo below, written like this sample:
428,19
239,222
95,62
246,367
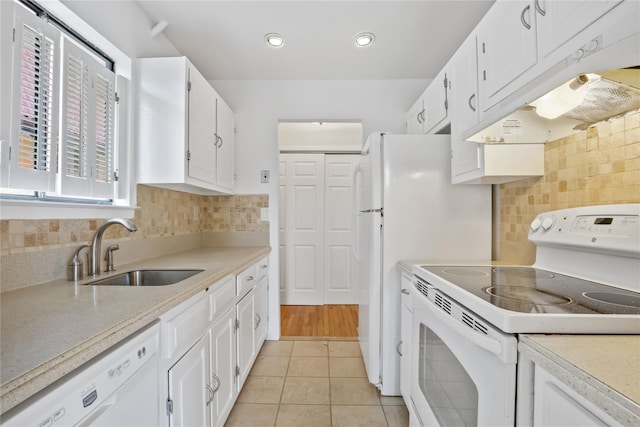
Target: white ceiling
225,39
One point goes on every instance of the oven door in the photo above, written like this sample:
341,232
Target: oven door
463,369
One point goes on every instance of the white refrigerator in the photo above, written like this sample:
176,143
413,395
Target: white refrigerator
407,209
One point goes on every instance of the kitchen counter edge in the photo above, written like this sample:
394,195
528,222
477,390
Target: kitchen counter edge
29,383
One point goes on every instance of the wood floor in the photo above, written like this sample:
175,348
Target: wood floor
319,320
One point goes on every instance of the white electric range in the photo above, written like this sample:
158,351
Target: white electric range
585,280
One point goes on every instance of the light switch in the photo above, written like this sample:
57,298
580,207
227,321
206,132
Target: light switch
264,214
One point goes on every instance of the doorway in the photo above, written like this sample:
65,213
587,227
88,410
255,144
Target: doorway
318,271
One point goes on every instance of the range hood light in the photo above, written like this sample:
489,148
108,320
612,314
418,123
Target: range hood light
562,99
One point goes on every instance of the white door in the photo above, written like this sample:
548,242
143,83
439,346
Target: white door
225,134
188,387
340,266
302,228
223,367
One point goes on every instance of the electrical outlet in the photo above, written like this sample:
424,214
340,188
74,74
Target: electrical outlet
264,214
264,176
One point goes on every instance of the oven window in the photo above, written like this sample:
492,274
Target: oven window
450,392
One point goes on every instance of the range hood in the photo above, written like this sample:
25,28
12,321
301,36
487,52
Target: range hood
579,103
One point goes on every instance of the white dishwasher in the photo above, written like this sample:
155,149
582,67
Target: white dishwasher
117,388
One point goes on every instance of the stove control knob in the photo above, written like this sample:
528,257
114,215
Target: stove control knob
547,223
535,224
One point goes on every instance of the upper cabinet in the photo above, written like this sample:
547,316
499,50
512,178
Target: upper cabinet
436,103
506,47
415,117
185,130
559,21
517,53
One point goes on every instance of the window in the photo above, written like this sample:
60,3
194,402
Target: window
63,138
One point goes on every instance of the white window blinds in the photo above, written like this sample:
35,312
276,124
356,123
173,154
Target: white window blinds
63,139
87,144
34,104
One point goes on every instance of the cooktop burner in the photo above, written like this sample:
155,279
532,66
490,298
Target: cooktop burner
533,290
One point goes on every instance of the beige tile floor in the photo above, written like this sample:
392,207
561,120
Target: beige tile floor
313,383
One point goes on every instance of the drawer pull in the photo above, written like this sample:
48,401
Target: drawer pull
250,278
404,291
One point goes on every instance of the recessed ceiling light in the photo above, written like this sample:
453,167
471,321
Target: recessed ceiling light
274,40
364,39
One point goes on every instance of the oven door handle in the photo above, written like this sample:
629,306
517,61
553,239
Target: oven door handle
488,344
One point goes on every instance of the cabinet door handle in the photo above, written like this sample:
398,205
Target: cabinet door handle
210,392
539,8
215,377
398,348
523,19
471,99
404,291
249,279
418,117
258,319
221,142
263,266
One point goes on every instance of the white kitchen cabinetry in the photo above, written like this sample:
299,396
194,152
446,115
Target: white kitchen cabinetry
436,103
260,317
189,393
556,404
185,131
559,21
415,118
464,66
245,314
506,47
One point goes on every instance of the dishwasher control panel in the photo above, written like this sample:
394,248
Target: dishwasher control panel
76,396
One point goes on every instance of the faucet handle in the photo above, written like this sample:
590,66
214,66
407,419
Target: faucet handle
108,257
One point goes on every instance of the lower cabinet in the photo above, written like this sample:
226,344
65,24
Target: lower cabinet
222,348
189,391
210,343
245,312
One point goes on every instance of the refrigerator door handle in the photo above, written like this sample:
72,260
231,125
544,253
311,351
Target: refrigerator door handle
355,213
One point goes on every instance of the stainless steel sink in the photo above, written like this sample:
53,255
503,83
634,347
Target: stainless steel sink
146,278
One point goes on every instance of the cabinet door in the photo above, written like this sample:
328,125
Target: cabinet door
260,317
223,367
559,21
415,118
225,135
405,349
436,103
245,313
189,391
201,132
464,91
506,47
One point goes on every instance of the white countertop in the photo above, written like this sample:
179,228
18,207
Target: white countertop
605,369
48,330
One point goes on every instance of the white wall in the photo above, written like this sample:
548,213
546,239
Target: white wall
380,105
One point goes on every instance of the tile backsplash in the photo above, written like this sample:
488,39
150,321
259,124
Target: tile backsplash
598,166
161,213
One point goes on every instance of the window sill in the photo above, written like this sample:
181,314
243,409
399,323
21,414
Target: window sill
23,209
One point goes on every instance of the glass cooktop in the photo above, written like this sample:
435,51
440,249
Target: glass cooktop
532,290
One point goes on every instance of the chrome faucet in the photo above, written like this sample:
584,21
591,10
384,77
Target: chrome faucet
94,259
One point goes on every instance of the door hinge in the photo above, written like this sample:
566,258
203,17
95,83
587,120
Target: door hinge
116,177
237,324
237,371
446,104
117,98
445,81
14,35
188,155
169,406
189,86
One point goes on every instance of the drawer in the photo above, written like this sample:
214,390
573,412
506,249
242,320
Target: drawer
262,267
221,296
184,325
246,280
